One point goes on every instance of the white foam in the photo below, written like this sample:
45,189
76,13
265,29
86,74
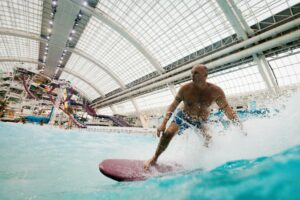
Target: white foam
266,136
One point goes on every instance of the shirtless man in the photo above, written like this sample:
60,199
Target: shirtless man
197,97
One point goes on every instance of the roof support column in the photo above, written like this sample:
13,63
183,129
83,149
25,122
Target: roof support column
240,17
113,109
113,24
144,119
242,29
266,73
232,18
172,89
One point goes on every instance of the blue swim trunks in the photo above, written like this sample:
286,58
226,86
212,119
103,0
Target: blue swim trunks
184,121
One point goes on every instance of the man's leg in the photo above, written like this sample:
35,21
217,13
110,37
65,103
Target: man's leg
163,144
206,135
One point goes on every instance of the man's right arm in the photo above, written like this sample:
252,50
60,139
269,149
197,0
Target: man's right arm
169,112
171,108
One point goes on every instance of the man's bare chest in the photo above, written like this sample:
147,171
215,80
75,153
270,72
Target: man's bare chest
197,100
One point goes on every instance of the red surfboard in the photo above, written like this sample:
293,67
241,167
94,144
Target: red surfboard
133,170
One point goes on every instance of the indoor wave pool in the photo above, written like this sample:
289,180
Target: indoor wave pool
40,162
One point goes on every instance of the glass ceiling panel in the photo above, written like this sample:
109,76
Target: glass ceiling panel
124,107
105,111
21,15
89,92
255,11
287,69
238,81
114,51
170,30
91,73
9,66
156,99
18,47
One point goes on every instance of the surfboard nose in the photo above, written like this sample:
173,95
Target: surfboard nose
101,167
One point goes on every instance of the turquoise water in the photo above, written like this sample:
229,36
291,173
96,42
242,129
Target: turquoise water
48,163
44,163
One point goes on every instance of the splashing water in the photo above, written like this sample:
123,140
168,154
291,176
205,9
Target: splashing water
266,136
43,163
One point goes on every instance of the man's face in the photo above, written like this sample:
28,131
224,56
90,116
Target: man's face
199,75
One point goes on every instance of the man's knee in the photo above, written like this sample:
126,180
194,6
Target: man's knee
171,130
169,134
165,140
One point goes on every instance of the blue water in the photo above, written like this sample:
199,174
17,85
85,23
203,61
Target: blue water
48,163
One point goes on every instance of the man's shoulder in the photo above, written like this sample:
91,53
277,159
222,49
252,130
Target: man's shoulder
187,85
214,87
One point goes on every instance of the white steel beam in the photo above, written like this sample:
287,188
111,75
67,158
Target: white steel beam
103,17
233,20
65,15
251,41
113,109
266,73
239,15
165,78
18,59
100,65
84,80
225,52
242,29
144,121
172,89
23,34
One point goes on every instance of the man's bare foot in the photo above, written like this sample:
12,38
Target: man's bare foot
207,139
206,144
149,163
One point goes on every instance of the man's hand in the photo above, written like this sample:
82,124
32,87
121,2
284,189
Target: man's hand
243,131
161,129
149,163
240,125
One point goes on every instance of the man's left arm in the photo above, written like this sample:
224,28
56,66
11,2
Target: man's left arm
229,112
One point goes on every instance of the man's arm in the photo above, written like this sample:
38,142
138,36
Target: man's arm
229,112
223,104
170,111
171,108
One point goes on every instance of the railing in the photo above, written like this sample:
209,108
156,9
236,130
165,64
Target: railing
130,130
14,95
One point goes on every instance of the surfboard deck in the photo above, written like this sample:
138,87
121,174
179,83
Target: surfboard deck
133,170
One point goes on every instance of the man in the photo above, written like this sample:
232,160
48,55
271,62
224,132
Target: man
197,96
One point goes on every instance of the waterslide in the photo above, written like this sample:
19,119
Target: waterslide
119,122
39,119
76,120
35,119
73,117
26,88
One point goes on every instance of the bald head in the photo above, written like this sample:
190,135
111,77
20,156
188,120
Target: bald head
199,75
201,69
